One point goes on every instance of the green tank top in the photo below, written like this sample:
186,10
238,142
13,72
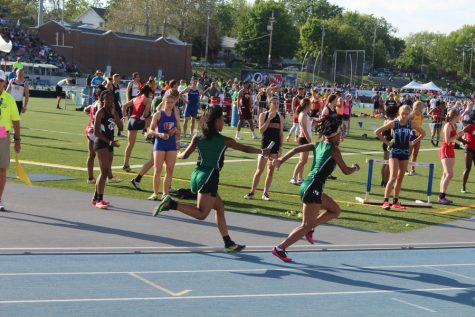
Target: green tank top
323,163
211,152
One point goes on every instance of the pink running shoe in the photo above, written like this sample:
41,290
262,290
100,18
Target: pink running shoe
398,206
94,202
309,237
386,205
102,205
281,255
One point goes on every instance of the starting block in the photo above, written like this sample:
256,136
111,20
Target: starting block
417,203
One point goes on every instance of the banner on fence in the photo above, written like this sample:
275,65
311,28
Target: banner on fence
265,77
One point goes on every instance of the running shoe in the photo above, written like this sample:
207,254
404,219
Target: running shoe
287,139
300,181
127,169
94,202
407,173
332,177
281,255
412,173
2,208
136,184
153,197
386,205
91,181
120,135
102,205
293,181
463,190
398,206
114,180
163,206
309,237
249,195
234,248
444,201
265,196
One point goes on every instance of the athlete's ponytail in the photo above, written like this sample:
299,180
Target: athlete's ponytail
208,121
303,104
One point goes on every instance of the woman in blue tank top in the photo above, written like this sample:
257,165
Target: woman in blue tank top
165,128
400,147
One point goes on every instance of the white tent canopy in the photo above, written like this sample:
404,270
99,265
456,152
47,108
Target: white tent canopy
414,85
431,86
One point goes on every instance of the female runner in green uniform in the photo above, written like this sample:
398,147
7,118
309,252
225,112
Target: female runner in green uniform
211,145
326,155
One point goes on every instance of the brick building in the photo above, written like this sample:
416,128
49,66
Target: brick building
93,49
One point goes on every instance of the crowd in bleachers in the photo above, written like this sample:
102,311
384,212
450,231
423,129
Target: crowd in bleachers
28,46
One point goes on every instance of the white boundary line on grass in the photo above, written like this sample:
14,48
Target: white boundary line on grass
76,168
402,290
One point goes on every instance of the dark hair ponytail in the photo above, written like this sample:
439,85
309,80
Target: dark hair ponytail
304,103
208,121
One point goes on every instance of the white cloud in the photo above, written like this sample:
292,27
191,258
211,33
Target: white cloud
411,16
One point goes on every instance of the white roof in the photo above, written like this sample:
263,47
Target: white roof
431,86
414,85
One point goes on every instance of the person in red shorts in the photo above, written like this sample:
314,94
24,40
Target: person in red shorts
244,103
447,153
469,140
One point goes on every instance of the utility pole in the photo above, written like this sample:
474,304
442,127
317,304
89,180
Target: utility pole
374,45
207,33
62,14
321,51
40,13
471,62
270,28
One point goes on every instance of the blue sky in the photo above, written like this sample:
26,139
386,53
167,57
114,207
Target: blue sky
412,16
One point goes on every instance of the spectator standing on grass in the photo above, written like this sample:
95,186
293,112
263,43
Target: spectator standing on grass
59,89
9,119
271,126
97,80
19,89
447,153
104,123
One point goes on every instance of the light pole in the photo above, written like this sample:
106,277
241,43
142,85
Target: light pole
207,33
471,61
374,46
270,28
40,13
321,51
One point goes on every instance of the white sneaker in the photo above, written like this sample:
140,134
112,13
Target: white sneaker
293,181
412,173
463,191
91,181
407,174
114,180
265,196
237,137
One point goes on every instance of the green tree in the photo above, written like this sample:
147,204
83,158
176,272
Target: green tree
21,10
253,36
74,8
301,10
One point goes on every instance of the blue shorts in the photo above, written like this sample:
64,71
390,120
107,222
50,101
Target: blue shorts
399,154
469,151
164,145
191,111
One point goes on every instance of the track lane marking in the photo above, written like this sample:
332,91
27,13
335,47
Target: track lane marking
161,288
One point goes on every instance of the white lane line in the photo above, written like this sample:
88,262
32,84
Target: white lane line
452,273
344,268
161,288
255,248
414,305
39,301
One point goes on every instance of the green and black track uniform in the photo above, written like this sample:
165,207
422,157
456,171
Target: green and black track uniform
205,177
311,190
